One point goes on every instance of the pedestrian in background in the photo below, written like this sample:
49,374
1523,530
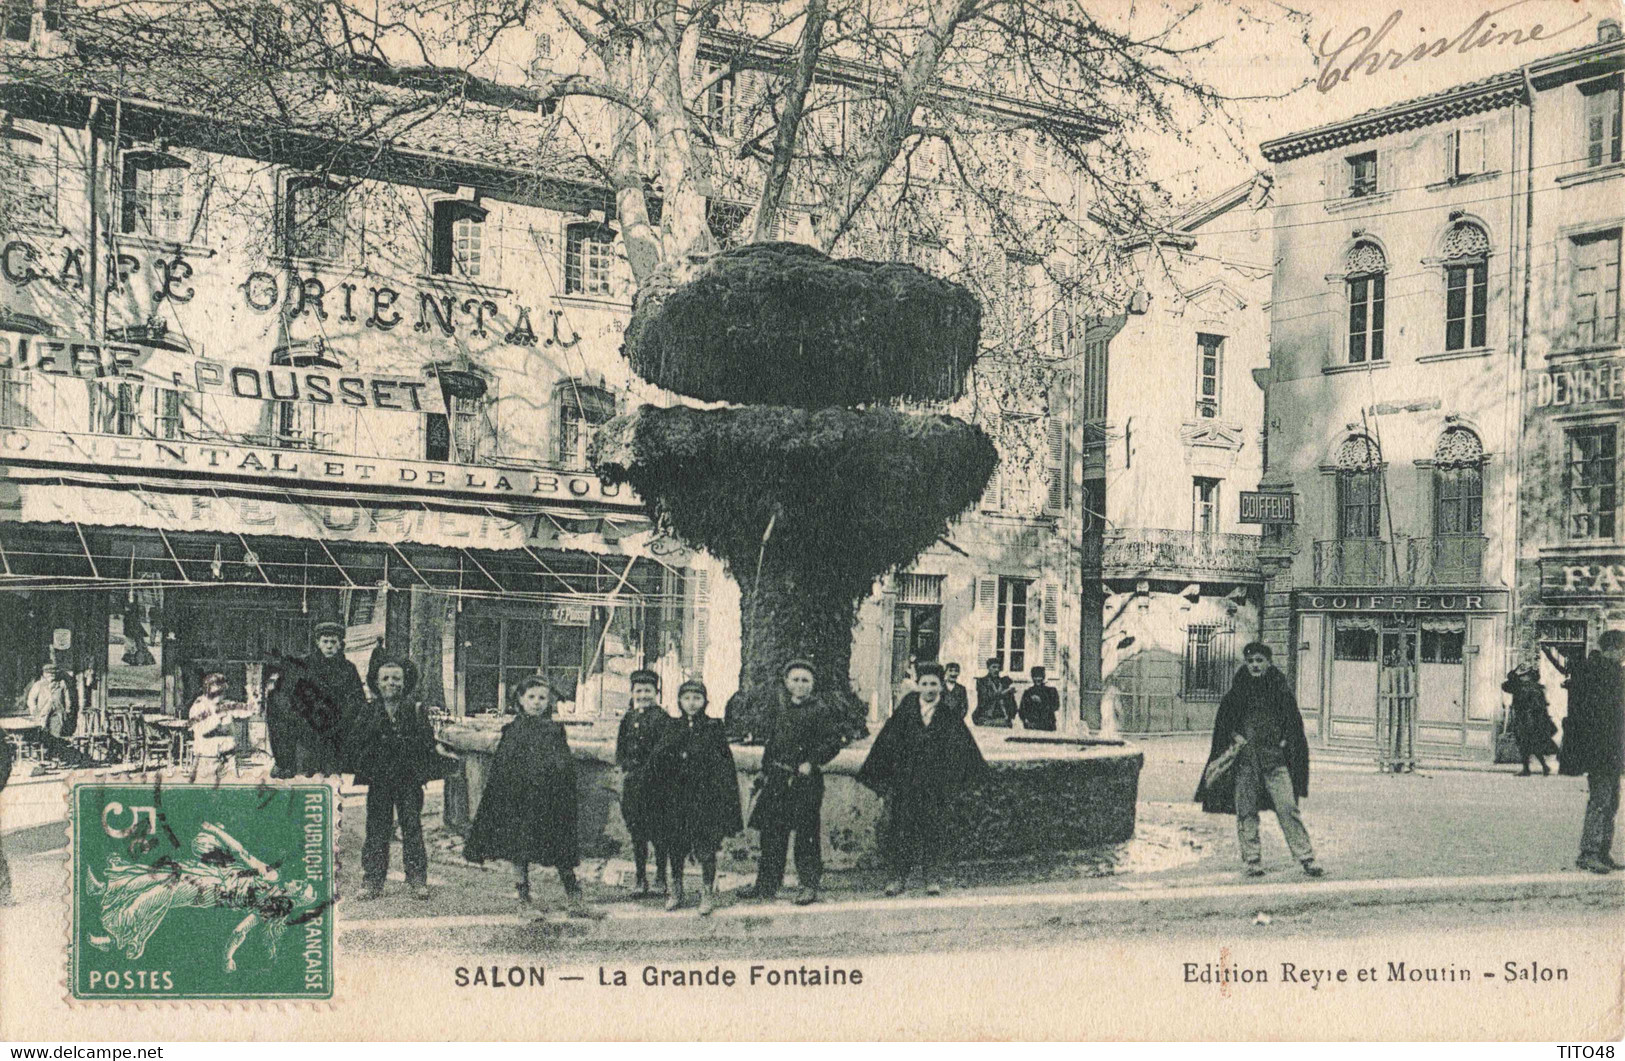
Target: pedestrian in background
640,730
923,756
692,772
1272,767
7,758
1532,725
995,696
1594,745
954,696
1040,703
391,748
803,734
527,812
50,701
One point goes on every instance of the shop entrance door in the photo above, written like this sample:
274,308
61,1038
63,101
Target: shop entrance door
1396,700
1562,645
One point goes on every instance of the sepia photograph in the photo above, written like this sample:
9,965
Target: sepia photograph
874,520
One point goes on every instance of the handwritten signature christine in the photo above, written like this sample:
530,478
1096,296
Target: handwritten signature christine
1376,54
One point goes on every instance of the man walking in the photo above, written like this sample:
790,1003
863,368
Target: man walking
803,734
1272,765
1594,745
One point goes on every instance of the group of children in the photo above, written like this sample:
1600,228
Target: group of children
680,794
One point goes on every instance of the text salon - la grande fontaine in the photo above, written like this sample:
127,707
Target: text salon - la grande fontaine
498,976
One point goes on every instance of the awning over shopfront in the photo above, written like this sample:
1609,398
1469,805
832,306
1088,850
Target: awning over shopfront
469,547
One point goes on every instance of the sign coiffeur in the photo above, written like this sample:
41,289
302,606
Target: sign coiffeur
317,384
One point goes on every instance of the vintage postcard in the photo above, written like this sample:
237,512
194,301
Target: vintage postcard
802,519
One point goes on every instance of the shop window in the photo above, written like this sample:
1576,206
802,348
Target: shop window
155,197
1209,660
458,247
1594,288
315,218
1367,298
300,425
1442,645
589,257
1602,101
1010,628
1458,483
1209,355
581,410
14,397
1593,476
1205,505
498,652
1466,253
1354,644
28,174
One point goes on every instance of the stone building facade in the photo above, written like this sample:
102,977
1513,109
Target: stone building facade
1571,557
1170,416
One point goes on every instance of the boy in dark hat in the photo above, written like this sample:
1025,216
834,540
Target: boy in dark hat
303,725
924,754
1040,703
635,742
803,734
392,748
995,696
699,792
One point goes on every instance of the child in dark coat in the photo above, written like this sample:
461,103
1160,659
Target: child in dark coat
1532,725
698,788
635,742
391,749
924,755
528,810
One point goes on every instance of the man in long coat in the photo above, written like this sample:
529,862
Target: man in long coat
640,731
954,695
1039,704
1594,745
803,734
1272,769
305,724
995,696
923,756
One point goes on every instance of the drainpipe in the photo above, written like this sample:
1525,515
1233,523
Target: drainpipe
92,178
1520,364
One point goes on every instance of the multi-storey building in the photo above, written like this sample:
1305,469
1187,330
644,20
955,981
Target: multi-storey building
1571,558
252,382
1427,253
1169,423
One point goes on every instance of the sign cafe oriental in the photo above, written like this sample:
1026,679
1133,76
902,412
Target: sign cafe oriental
323,383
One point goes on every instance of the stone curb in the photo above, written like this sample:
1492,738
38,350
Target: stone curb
915,913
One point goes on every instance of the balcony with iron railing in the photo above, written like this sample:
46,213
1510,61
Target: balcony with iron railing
1446,560
1153,552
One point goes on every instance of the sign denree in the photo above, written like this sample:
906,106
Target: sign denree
1593,383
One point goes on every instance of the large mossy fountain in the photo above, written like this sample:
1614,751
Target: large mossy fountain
810,485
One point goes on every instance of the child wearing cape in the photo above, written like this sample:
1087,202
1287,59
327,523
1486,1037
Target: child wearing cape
698,793
528,811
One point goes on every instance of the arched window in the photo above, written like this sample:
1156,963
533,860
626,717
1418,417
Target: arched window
1466,273
1458,483
1359,488
1366,270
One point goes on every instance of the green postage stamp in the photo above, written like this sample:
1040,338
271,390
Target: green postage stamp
202,892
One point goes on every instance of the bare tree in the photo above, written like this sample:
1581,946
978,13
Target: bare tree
854,125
